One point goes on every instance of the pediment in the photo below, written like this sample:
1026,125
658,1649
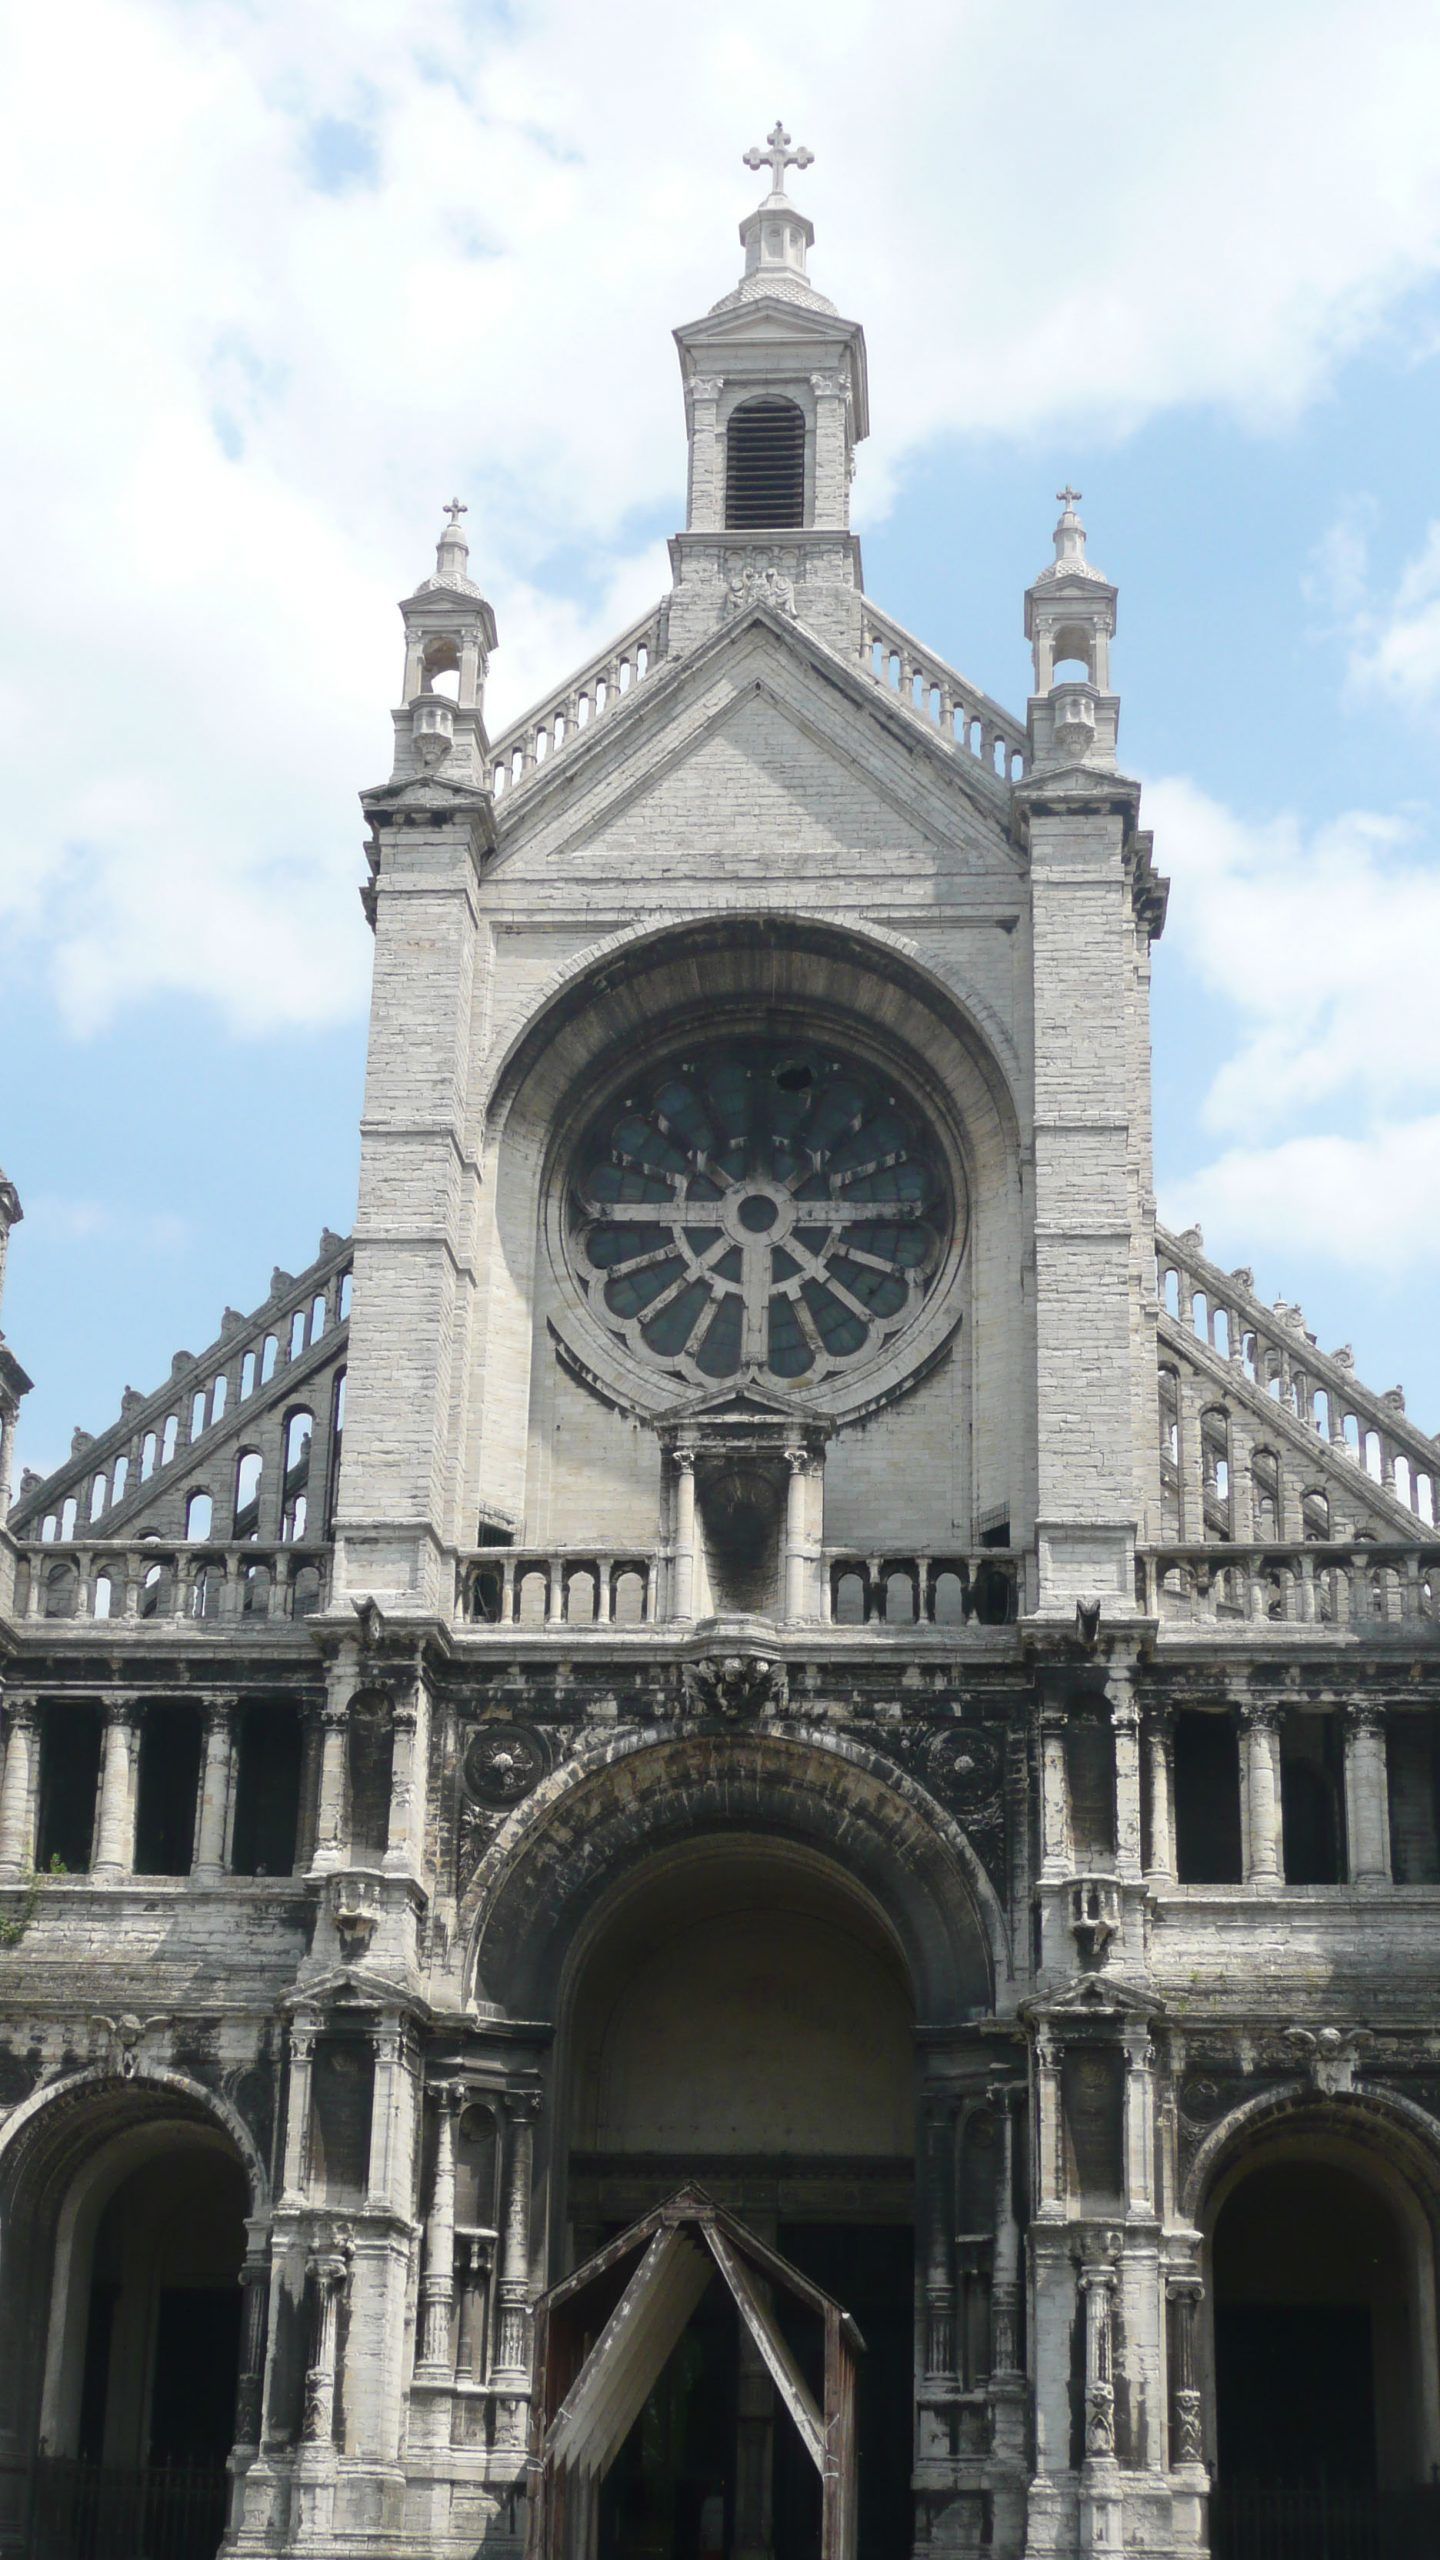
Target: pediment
762,741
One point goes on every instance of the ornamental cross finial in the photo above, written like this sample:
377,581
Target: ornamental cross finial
779,155
455,510
1069,497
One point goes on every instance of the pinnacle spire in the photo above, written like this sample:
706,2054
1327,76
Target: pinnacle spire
777,235
452,551
778,153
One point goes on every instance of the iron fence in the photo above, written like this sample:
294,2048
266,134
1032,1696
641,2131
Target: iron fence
1322,2520
71,2510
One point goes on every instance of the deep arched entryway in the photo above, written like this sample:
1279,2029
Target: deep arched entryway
1323,2333
739,2014
123,2207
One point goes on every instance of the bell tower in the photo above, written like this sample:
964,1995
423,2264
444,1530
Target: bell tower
776,402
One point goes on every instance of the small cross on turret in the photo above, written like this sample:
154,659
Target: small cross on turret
779,155
455,510
1069,497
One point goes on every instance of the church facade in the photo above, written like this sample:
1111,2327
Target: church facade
758,1661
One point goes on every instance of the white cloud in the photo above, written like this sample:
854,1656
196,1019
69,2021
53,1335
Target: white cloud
1323,946
1319,949
64,1219
1396,651
1368,1204
242,396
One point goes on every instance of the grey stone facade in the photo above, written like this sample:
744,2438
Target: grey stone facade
789,1638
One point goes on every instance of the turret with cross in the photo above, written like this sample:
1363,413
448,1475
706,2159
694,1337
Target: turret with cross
449,634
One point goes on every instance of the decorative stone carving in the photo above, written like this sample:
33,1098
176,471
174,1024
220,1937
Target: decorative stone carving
502,1763
1331,2056
355,1905
765,578
736,1687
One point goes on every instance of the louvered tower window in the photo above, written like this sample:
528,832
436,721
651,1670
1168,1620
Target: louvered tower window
765,466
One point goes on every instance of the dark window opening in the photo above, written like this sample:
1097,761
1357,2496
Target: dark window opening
267,1792
1090,1766
166,1794
765,466
197,2356
1207,1800
1312,1799
1414,1771
1092,2090
342,2094
69,1782
372,1749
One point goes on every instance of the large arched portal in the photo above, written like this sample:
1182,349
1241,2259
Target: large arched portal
123,2207
740,2015
1323,2290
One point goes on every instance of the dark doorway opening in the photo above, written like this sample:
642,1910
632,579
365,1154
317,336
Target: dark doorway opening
197,2357
671,2492
870,2268
1320,2432
1296,2392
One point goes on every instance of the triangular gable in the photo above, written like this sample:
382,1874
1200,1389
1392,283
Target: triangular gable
765,696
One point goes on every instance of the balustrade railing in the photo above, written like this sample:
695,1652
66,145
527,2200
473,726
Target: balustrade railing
901,1591
1364,1584
1272,1349
61,2509
559,1587
1320,2520
134,1583
965,717
576,705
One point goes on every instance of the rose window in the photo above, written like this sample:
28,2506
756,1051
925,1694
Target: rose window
758,1207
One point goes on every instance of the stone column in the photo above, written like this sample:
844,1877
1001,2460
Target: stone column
1126,1728
477,2268
1139,2124
512,2356
1005,2280
939,2216
328,2270
18,1789
303,2029
405,1842
1097,2287
1367,1793
1055,1853
1187,2425
7,1456
254,2326
684,1593
115,1823
799,1549
217,1778
390,2150
1049,2130
437,2289
330,1810
1264,1861
1160,1751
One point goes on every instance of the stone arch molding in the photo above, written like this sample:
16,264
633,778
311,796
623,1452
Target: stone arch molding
644,943
60,2106
1377,2119
626,1797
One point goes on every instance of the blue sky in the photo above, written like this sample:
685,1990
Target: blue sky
306,271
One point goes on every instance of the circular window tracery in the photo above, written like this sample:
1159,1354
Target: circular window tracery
758,1208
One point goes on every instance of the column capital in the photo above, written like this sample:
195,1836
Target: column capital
522,2105
684,1458
22,1710
1259,1715
1365,1716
